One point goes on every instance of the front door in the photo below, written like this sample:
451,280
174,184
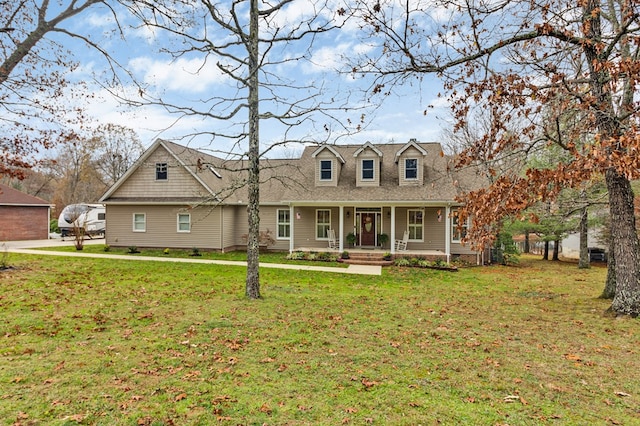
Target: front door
368,229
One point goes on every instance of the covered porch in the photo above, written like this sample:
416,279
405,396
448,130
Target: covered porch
408,229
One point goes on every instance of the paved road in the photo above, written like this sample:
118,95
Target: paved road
26,247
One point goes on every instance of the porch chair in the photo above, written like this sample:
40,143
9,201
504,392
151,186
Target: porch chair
333,242
401,245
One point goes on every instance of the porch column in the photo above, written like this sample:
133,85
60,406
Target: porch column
341,230
291,227
447,233
393,229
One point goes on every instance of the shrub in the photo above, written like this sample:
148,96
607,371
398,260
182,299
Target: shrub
106,247
296,255
165,251
424,263
133,249
195,252
323,256
345,255
402,261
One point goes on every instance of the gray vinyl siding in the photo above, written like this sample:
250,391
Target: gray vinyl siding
162,229
228,228
240,225
143,181
433,231
305,227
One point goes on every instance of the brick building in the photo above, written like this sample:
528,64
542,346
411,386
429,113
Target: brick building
23,216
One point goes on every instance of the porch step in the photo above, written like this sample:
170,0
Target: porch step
365,258
368,262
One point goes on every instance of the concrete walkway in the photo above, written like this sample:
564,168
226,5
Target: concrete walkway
27,247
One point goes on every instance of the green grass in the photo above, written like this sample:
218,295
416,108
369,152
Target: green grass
111,342
241,256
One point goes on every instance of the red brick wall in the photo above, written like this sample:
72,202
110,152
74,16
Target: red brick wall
24,223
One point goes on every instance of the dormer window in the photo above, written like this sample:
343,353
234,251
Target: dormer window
411,168
326,170
161,171
411,161
328,165
367,169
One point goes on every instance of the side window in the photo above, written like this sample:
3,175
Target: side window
367,169
161,171
284,224
323,224
101,216
326,172
184,222
458,230
411,168
139,222
415,225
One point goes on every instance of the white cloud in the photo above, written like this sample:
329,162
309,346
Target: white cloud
182,75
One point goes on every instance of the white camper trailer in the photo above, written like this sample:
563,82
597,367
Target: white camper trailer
90,218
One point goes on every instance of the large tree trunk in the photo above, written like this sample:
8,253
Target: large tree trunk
253,209
545,255
583,263
556,250
626,247
527,244
610,285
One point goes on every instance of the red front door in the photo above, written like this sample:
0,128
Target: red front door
368,229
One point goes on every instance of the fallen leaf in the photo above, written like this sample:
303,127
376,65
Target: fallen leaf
573,357
265,409
180,397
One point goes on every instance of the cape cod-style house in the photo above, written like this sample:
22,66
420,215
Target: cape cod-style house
333,197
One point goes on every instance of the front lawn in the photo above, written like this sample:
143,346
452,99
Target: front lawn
114,342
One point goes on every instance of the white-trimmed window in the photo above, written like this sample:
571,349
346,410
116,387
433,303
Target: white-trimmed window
411,168
184,222
162,171
415,224
368,169
458,232
139,222
284,224
323,224
326,169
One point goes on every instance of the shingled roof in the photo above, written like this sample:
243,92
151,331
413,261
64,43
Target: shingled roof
292,181
13,197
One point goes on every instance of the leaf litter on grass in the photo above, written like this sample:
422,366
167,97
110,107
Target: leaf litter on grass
181,345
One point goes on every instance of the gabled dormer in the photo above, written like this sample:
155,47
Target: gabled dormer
368,165
410,161
328,165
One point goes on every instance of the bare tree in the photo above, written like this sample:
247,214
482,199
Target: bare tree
251,43
515,58
116,148
33,68
76,177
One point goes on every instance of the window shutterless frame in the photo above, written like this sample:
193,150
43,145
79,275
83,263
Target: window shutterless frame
139,222
184,222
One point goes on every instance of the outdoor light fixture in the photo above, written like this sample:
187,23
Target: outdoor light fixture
348,214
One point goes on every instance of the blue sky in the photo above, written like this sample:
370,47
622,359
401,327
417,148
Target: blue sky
397,118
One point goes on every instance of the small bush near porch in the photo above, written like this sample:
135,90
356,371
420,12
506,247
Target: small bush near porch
122,342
